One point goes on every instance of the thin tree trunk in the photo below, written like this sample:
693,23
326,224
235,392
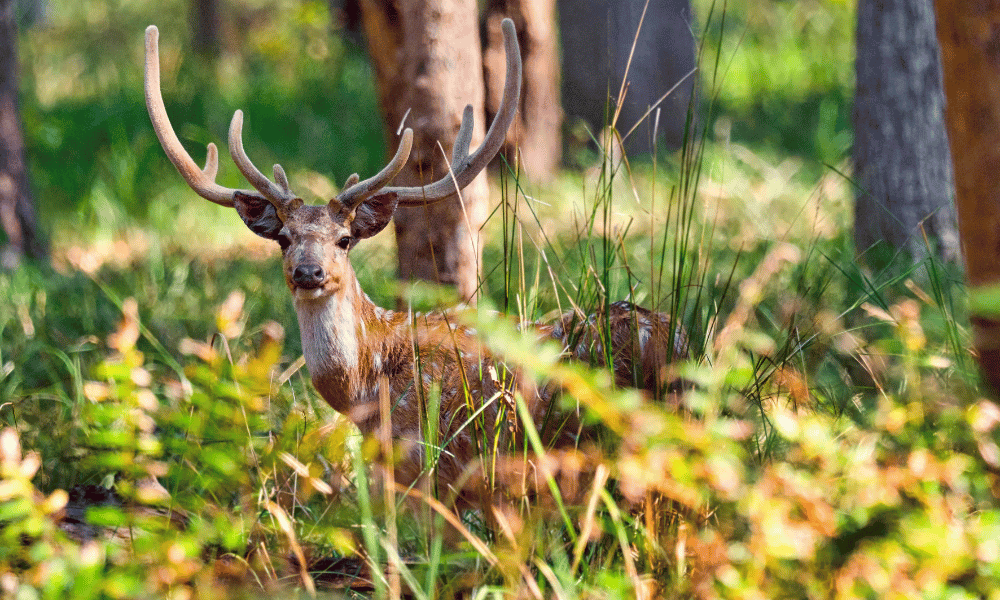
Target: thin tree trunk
428,61
901,156
27,13
17,210
597,48
205,27
970,50
536,134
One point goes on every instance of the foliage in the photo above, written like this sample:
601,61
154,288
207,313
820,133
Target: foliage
200,473
782,73
767,485
830,440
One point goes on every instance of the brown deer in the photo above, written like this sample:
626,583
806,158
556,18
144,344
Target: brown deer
358,352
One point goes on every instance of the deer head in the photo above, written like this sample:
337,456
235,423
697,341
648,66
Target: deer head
315,240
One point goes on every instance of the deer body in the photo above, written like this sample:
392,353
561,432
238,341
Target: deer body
359,354
357,351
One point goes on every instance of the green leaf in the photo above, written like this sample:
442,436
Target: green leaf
984,300
106,516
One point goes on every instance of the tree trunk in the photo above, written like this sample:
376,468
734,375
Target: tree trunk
428,61
205,27
536,134
970,50
597,40
901,157
346,16
17,210
30,12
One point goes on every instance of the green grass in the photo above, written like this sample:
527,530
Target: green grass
833,441
785,77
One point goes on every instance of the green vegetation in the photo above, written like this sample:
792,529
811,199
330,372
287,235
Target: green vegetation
785,75
833,442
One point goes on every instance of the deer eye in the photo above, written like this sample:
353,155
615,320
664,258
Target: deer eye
344,242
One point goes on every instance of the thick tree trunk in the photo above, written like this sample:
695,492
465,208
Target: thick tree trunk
428,61
597,40
901,157
17,211
536,134
970,50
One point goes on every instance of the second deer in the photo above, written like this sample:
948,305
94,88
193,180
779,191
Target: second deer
357,352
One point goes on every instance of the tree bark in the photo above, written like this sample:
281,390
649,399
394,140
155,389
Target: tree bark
346,16
428,61
30,12
597,41
205,27
901,157
536,134
17,210
969,33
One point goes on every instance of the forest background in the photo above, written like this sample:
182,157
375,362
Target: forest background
835,440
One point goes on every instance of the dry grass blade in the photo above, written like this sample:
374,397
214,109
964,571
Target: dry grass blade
628,65
589,525
508,532
453,520
285,523
385,433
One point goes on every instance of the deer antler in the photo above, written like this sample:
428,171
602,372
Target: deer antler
464,167
202,181
280,195
355,192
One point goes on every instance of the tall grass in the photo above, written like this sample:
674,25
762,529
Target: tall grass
830,440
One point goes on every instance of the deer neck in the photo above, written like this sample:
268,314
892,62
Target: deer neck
344,336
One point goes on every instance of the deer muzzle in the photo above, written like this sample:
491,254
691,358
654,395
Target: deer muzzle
308,276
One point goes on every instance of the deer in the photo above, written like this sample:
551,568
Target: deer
359,353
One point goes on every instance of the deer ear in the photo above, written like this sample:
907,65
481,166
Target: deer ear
259,215
372,215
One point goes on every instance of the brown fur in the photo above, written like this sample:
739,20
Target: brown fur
420,356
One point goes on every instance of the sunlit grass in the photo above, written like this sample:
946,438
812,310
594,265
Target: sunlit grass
792,335
831,440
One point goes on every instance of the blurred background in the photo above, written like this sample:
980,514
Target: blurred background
750,152
777,78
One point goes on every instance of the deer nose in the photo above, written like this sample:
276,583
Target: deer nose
309,276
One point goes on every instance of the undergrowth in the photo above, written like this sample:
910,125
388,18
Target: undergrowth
161,438
830,440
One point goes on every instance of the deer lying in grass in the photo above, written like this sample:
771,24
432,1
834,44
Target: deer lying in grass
357,351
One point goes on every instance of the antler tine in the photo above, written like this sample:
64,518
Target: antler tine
202,181
281,179
281,196
355,192
465,167
460,151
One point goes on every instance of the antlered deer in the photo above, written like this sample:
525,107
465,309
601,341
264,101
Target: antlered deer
355,349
